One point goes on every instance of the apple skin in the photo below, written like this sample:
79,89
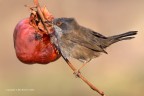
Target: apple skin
32,46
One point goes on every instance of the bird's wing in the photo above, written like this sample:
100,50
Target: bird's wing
89,39
98,35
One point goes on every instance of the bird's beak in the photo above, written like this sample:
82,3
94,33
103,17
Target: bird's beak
49,23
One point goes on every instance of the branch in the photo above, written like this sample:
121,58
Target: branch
84,79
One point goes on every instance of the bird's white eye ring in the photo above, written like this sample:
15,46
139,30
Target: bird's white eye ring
59,23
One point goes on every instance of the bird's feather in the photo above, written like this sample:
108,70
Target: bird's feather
90,39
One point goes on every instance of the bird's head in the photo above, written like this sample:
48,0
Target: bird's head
65,23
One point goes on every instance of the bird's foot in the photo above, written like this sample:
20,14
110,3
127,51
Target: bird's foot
76,73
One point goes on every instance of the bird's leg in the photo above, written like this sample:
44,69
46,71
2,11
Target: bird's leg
81,67
84,79
78,71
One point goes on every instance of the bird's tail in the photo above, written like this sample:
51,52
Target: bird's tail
120,37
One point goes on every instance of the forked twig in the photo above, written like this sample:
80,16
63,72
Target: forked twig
68,62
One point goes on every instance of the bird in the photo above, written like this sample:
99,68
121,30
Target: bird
81,43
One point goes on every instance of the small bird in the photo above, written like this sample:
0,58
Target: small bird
83,44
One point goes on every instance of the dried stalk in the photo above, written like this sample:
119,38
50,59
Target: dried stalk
70,65
40,14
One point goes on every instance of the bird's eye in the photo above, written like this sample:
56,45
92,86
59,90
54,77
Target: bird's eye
59,23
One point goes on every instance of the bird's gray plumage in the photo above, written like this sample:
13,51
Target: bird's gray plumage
82,43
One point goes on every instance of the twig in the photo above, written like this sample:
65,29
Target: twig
70,65
84,79
40,14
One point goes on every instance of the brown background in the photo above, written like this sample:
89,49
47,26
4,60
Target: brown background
120,73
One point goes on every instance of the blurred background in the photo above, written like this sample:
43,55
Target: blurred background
120,73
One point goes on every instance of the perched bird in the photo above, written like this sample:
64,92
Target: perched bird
83,44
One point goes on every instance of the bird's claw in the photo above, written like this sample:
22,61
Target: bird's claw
76,73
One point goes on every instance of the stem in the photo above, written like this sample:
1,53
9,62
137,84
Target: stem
40,14
84,79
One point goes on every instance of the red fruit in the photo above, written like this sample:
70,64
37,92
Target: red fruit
33,46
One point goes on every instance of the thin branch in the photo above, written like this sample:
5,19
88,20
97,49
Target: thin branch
84,79
40,14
